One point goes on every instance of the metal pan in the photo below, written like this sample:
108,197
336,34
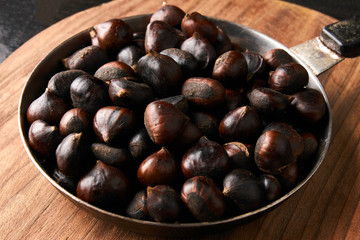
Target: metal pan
245,37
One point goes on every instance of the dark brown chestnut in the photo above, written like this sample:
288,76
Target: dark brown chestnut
140,145
48,107
59,83
231,69
272,186
189,135
205,158
75,120
242,124
186,60
240,155
112,122
222,43
276,57
195,22
130,94
170,14
164,122
311,144
88,59
69,183
103,186
244,189
137,206
130,55
255,63
163,203
72,155
160,72
43,138
289,78
113,156
160,35
203,198
309,105
207,123
204,93
178,101
89,93
111,35
114,69
201,49
234,99
289,176
273,152
158,168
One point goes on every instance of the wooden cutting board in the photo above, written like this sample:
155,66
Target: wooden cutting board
326,208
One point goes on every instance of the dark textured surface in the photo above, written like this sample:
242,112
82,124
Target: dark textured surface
20,20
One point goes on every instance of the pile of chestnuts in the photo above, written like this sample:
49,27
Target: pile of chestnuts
176,123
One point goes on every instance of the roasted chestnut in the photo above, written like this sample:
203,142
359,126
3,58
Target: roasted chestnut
75,120
240,155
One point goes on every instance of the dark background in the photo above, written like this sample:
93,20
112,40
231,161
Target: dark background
20,20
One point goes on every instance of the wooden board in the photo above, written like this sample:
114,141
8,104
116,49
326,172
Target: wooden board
326,208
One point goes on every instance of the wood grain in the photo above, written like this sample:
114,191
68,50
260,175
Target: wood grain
326,208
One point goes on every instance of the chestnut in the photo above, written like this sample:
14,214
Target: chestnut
205,158
289,176
240,155
69,183
160,72
88,59
311,144
273,152
43,138
244,189
196,22
186,60
170,14
160,35
207,123
234,99
309,104
242,124
178,101
89,93
222,43
276,57
201,49
256,64
203,198
230,69
104,186
111,35
130,55
189,135
59,83
111,122
137,206
74,121
163,203
289,78
71,155
272,186
158,168
47,107
204,93
113,156
114,69
140,145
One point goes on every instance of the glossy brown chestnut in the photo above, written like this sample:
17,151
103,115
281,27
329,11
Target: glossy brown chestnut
48,107
59,83
103,186
234,99
170,14
164,122
130,55
207,123
113,156
309,105
201,49
189,135
130,94
178,101
137,206
43,138
244,189
276,57
222,43
163,203
289,176
231,69
311,144
114,69
89,93
240,155
140,145
205,158
111,35
195,22
256,64
112,122
158,168
203,198
88,59
186,60
69,183
273,152
160,72
242,124
160,35
272,186
72,155
75,120
204,93
289,78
